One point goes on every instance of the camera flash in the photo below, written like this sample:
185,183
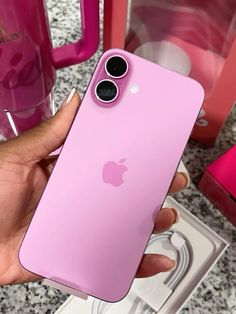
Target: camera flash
134,88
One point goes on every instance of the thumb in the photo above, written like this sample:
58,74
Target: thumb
39,142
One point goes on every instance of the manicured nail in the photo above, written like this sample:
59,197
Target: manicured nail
177,215
171,265
56,152
186,179
69,97
183,170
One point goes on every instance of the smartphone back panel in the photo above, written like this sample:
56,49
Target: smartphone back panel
97,212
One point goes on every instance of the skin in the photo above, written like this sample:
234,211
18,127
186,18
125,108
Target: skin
25,166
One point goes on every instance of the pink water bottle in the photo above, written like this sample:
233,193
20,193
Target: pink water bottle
28,61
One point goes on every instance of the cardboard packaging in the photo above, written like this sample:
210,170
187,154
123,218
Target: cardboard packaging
196,249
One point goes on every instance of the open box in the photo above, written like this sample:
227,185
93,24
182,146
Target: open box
196,248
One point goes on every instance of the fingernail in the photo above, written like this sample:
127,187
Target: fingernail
69,97
56,152
171,265
177,215
186,179
184,172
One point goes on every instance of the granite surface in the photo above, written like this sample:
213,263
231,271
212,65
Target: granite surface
217,293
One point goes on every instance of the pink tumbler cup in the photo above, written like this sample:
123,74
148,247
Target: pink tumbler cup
28,61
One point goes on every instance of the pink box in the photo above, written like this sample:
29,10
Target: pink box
204,30
114,24
218,184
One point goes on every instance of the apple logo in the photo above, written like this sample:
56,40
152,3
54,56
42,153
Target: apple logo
113,172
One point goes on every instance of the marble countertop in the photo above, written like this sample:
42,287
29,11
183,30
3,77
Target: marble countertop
217,293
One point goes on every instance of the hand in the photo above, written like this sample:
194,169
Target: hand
25,166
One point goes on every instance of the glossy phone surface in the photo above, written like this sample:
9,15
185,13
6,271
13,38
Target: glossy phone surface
97,212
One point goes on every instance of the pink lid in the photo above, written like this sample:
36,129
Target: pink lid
224,170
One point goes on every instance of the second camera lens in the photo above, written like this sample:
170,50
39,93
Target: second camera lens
116,66
106,91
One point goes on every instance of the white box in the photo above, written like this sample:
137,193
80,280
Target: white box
196,247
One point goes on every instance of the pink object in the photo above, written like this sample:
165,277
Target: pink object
114,25
219,104
218,184
89,234
206,66
194,26
28,75
206,29
193,21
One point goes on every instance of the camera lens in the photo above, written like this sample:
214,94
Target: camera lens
116,66
106,91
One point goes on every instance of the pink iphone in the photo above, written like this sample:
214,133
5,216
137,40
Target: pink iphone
98,209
